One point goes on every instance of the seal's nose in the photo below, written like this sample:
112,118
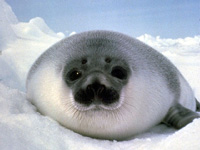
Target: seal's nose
95,89
97,93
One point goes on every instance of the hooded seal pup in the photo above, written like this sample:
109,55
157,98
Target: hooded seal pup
108,85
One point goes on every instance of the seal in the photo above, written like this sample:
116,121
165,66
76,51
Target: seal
107,85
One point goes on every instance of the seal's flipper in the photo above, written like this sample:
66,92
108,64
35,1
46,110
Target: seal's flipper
198,105
179,116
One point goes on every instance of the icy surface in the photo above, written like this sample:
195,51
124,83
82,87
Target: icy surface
33,38
22,127
7,17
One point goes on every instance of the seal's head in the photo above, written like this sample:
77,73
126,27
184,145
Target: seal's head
95,83
97,78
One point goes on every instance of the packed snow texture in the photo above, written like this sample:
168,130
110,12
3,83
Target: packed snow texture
22,127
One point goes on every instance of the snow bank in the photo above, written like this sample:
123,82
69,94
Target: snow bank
188,45
22,127
36,30
7,18
30,39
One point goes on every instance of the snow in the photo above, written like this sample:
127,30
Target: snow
22,127
33,38
188,45
6,31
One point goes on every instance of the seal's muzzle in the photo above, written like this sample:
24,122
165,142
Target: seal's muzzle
96,93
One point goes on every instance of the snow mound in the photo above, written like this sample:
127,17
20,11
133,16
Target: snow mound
31,40
180,46
36,29
7,18
21,44
8,76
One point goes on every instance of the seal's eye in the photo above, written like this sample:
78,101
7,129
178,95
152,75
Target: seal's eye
84,61
119,72
74,75
108,60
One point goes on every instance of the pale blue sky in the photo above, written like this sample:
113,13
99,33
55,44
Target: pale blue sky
165,18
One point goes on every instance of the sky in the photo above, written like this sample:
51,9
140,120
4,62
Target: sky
168,19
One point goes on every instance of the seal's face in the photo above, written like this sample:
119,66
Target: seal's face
96,81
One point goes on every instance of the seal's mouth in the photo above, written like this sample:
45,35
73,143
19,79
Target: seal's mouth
97,96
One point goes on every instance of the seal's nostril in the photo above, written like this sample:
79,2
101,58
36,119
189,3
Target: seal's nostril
89,88
83,98
101,89
96,88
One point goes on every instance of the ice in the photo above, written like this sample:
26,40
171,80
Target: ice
7,17
33,38
22,127
182,46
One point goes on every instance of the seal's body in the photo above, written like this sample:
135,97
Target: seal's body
107,85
